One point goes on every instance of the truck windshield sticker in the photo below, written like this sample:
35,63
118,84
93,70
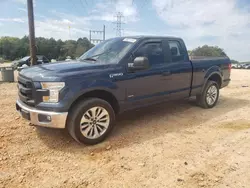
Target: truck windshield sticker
129,40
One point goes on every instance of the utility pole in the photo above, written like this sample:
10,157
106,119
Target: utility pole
97,32
103,32
118,23
90,36
31,32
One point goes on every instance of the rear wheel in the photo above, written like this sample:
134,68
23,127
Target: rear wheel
209,96
91,121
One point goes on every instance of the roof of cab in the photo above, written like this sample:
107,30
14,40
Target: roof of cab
151,37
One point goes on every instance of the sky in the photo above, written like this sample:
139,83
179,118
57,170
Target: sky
223,23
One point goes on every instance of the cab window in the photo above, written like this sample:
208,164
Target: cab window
175,51
153,51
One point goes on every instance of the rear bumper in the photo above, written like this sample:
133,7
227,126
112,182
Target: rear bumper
42,118
225,83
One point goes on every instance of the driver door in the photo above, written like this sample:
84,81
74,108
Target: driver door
145,87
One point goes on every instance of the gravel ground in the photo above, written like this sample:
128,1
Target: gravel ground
170,145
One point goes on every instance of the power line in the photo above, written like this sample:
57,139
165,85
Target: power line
83,5
144,3
76,7
168,6
71,2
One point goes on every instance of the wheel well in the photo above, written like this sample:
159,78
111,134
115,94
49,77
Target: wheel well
101,94
216,78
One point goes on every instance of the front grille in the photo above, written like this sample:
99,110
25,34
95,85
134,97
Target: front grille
25,91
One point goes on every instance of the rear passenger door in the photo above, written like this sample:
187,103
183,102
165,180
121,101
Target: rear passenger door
178,82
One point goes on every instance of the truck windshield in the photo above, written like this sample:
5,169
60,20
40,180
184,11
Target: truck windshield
109,52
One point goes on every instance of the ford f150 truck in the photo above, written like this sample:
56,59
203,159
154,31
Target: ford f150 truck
116,75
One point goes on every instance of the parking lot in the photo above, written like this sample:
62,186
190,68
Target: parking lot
175,144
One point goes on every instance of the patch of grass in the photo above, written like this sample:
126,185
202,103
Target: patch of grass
236,125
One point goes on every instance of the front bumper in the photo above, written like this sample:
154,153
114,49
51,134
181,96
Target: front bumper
42,118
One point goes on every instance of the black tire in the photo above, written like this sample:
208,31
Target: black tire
202,99
76,114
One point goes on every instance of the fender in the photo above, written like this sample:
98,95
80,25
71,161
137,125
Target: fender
210,72
104,85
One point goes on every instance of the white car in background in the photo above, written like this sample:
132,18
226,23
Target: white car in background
68,58
239,66
234,66
53,60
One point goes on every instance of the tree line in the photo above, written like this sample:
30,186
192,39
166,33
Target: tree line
209,51
12,48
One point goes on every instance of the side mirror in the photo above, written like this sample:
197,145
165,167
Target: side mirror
140,63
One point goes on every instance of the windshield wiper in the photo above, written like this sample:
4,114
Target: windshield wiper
91,58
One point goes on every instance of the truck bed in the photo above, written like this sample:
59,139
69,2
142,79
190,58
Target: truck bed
204,67
206,58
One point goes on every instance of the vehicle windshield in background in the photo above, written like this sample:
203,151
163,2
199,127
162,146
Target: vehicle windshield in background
39,57
25,58
109,52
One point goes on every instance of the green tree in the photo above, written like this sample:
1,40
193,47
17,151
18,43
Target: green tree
189,52
9,47
234,61
212,51
69,48
12,48
83,45
23,47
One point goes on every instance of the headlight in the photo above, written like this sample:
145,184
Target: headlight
54,89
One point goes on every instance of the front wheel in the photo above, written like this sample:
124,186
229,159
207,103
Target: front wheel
209,96
91,121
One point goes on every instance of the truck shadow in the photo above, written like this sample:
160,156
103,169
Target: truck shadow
145,124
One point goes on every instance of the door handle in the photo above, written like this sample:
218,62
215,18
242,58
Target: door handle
168,73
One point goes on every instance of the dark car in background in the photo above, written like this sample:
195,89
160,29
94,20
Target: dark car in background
41,59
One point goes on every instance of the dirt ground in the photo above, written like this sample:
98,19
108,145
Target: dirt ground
170,145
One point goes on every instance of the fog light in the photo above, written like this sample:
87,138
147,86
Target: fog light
44,118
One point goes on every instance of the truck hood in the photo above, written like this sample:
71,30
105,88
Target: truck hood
56,71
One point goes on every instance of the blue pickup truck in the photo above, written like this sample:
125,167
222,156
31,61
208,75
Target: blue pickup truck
117,75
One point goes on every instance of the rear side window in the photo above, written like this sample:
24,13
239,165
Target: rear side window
176,52
153,51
